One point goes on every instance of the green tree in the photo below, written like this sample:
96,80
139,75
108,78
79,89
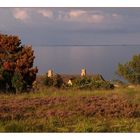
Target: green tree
130,71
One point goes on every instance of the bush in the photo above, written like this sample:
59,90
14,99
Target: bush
82,83
91,83
48,81
18,83
103,85
55,81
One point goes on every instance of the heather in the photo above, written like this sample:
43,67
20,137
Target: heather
58,110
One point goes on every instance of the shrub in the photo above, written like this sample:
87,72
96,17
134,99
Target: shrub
48,81
103,85
55,81
91,83
18,83
83,83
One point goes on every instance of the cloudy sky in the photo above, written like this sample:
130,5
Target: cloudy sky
54,26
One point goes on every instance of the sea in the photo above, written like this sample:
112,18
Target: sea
96,59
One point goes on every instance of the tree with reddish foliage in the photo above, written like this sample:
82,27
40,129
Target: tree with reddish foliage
16,64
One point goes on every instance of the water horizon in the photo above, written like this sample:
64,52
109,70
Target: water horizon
96,59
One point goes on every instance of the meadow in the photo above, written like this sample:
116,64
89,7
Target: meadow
61,110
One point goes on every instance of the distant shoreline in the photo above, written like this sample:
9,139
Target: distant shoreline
82,45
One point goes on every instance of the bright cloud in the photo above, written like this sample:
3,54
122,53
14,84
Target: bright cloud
71,15
46,13
76,13
20,14
85,16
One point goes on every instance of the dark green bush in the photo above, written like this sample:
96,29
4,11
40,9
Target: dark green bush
82,83
103,85
48,81
91,83
18,83
55,81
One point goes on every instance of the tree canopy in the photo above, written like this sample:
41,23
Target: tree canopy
130,70
16,64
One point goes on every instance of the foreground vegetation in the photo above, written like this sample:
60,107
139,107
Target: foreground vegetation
57,110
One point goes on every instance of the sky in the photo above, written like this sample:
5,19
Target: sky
72,26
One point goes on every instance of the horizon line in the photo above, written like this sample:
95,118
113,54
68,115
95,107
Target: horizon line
87,45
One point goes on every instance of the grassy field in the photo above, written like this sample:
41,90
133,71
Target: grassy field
53,110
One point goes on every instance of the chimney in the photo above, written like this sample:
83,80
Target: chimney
83,72
50,73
